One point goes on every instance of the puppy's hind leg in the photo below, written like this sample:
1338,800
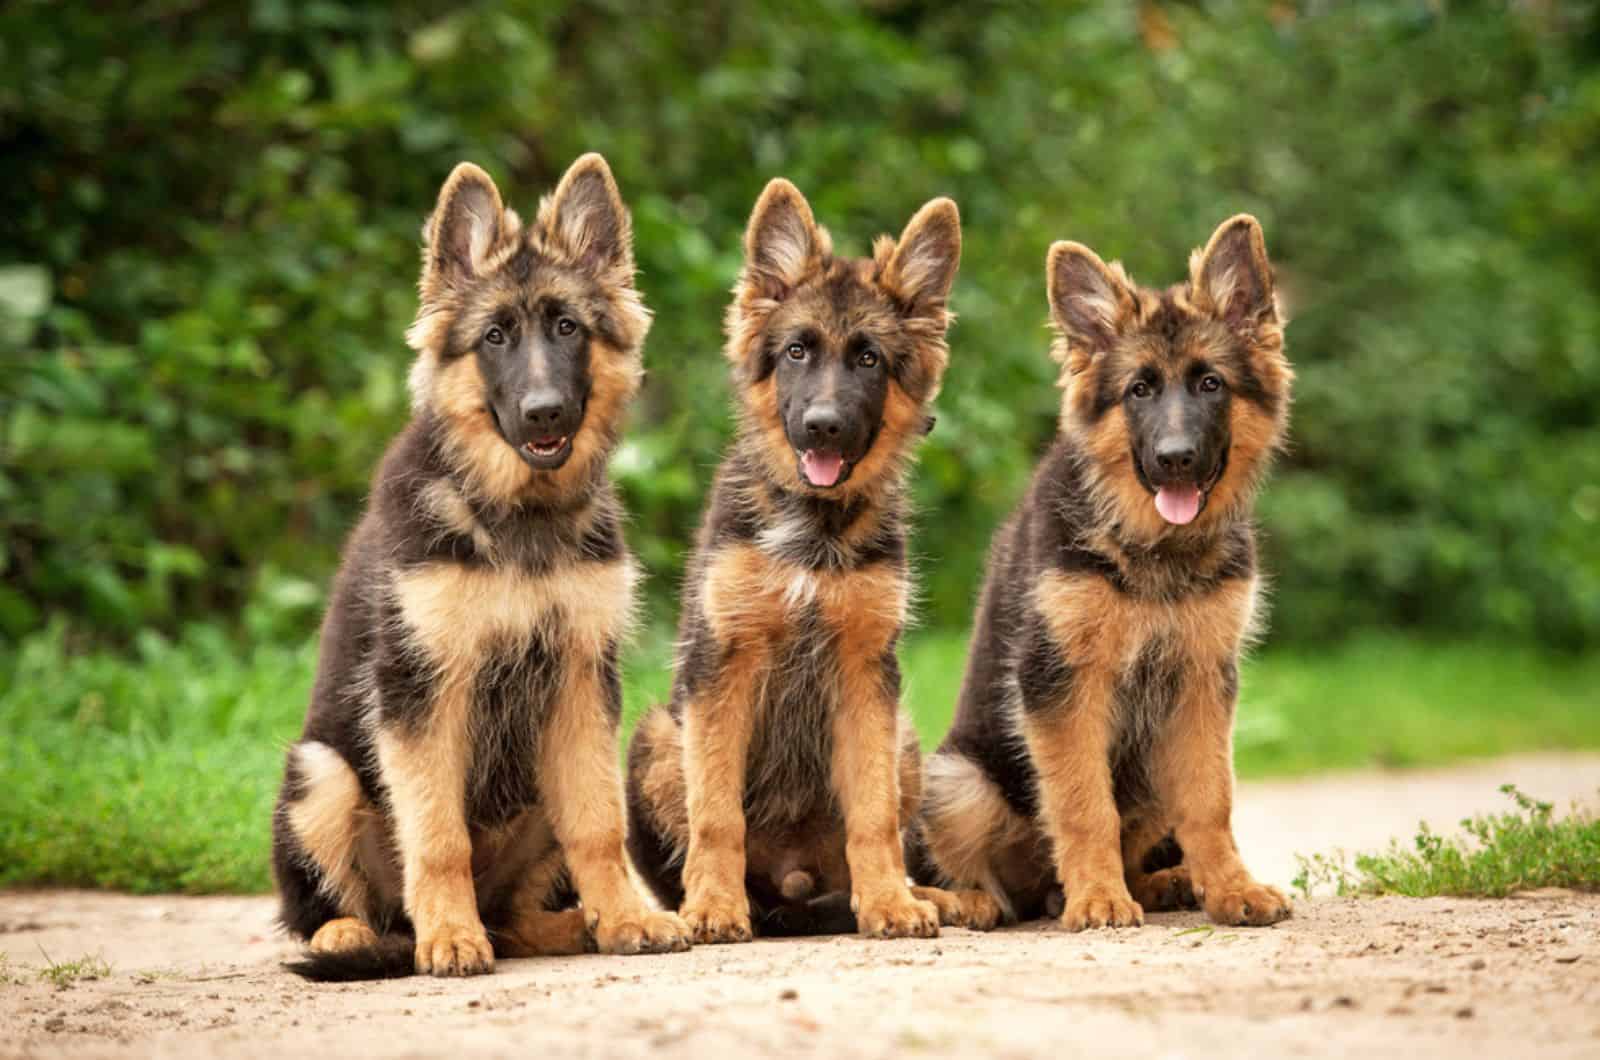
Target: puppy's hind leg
658,809
326,896
534,929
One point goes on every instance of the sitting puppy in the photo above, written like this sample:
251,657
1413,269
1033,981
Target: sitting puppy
1092,748
456,786
778,781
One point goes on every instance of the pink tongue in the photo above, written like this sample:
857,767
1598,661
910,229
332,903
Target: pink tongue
822,469
1178,504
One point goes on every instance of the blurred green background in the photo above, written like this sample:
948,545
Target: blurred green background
208,245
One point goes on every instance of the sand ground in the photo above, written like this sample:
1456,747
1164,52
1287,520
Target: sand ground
1375,977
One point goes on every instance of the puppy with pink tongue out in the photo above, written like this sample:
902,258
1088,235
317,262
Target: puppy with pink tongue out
1088,771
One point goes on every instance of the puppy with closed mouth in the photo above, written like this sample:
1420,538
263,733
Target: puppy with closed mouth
771,795
455,794
1089,769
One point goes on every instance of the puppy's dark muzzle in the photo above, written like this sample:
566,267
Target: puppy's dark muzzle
543,428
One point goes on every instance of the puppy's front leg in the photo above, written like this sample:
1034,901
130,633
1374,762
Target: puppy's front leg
1194,780
866,779
1066,720
717,723
424,769
580,783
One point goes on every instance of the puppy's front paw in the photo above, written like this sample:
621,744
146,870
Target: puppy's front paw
896,914
1246,902
717,918
969,909
1101,906
454,949
640,930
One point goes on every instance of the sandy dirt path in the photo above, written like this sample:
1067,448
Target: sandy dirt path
1375,977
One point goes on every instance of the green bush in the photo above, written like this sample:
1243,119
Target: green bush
210,219
1501,854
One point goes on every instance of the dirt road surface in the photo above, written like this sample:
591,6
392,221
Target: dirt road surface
1369,977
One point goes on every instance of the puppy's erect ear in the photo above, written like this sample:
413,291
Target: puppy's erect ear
782,244
585,218
1090,302
462,227
922,268
1231,278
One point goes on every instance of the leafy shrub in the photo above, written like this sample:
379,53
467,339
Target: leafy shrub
210,220
1523,850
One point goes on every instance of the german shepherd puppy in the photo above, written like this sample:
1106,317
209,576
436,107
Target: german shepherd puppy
781,775
456,785
1092,747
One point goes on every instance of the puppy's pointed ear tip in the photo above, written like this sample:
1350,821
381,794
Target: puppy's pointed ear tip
590,162
465,170
1240,224
780,186
944,208
1062,249
468,173
782,190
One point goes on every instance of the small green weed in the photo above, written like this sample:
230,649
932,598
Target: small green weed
64,973
1501,854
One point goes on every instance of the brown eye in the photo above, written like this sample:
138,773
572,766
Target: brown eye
495,337
1141,389
796,351
566,326
869,359
1211,383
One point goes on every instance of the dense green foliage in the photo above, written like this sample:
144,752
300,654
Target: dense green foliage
208,233
1501,854
156,770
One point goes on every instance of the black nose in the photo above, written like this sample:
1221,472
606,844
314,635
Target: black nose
823,423
1174,457
542,408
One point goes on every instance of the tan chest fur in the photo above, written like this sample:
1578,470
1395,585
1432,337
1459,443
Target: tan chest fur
749,595
1096,625
459,613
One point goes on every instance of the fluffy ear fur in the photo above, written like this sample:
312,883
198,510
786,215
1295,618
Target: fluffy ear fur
922,267
1231,278
462,228
1090,302
584,219
782,244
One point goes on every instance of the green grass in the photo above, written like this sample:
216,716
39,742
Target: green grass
1500,854
64,973
158,772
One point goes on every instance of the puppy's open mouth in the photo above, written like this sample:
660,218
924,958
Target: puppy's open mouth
547,446
1180,503
547,453
823,467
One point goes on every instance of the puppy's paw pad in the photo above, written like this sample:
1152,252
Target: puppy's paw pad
643,931
717,919
455,951
1101,908
1247,904
897,915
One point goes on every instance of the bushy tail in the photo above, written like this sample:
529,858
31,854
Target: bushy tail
391,957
